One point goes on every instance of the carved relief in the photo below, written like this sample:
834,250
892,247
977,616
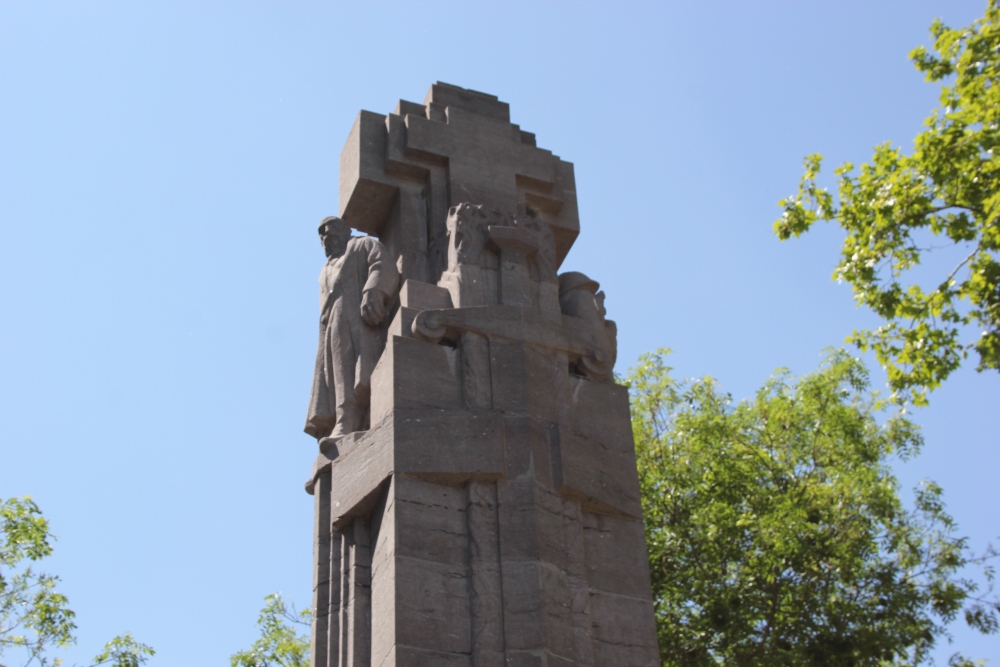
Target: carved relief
467,235
495,257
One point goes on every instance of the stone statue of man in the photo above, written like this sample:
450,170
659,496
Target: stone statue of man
357,286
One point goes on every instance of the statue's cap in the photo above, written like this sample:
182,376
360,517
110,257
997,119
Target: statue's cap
329,220
572,280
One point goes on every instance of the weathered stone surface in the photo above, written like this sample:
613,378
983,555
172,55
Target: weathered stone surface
522,610
413,374
423,296
615,555
601,477
454,447
624,630
402,322
601,413
410,656
485,583
432,605
431,521
487,514
383,581
323,565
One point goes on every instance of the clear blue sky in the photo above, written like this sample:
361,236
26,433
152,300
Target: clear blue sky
162,170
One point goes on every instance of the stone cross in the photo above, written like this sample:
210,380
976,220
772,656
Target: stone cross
399,174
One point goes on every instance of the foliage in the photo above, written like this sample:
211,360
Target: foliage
279,643
123,651
947,190
775,530
34,617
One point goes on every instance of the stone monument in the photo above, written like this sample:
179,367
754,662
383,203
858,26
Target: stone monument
476,495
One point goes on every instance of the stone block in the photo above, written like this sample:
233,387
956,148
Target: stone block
423,296
526,659
528,447
401,323
509,377
563,208
404,107
554,660
624,631
522,612
601,413
615,555
547,383
483,104
431,521
409,656
359,473
485,586
556,613
551,526
324,541
477,387
383,582
603,479
413,374
366,195
432,605
452,446
517,519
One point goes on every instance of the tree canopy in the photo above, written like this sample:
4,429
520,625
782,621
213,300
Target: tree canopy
279,644
775,530
896,208
34,616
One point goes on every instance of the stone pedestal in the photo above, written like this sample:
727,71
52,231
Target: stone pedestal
490,516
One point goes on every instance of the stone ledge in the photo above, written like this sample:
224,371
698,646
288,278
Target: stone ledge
457,445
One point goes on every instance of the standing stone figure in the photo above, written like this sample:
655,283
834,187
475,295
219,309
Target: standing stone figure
356,288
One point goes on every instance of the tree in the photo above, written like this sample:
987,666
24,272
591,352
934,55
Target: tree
775,530
896,206
34,616
279,643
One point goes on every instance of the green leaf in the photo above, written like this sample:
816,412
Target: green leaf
949,186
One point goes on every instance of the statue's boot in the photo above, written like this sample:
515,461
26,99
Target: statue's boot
350,419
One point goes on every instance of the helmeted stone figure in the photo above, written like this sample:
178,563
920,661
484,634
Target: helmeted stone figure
579,296
356,285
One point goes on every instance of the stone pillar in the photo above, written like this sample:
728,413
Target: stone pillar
490,517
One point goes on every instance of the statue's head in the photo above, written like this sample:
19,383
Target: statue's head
574,280
579,295
334,233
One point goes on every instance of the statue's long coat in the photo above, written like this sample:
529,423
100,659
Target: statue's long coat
348,348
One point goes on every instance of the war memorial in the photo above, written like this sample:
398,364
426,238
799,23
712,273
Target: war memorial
476,495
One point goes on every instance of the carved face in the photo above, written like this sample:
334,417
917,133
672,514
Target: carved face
334,233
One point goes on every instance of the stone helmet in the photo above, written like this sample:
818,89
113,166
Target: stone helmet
573,280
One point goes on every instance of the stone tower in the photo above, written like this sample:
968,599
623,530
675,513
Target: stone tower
477,503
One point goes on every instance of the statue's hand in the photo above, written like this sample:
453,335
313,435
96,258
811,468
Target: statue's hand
373,307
